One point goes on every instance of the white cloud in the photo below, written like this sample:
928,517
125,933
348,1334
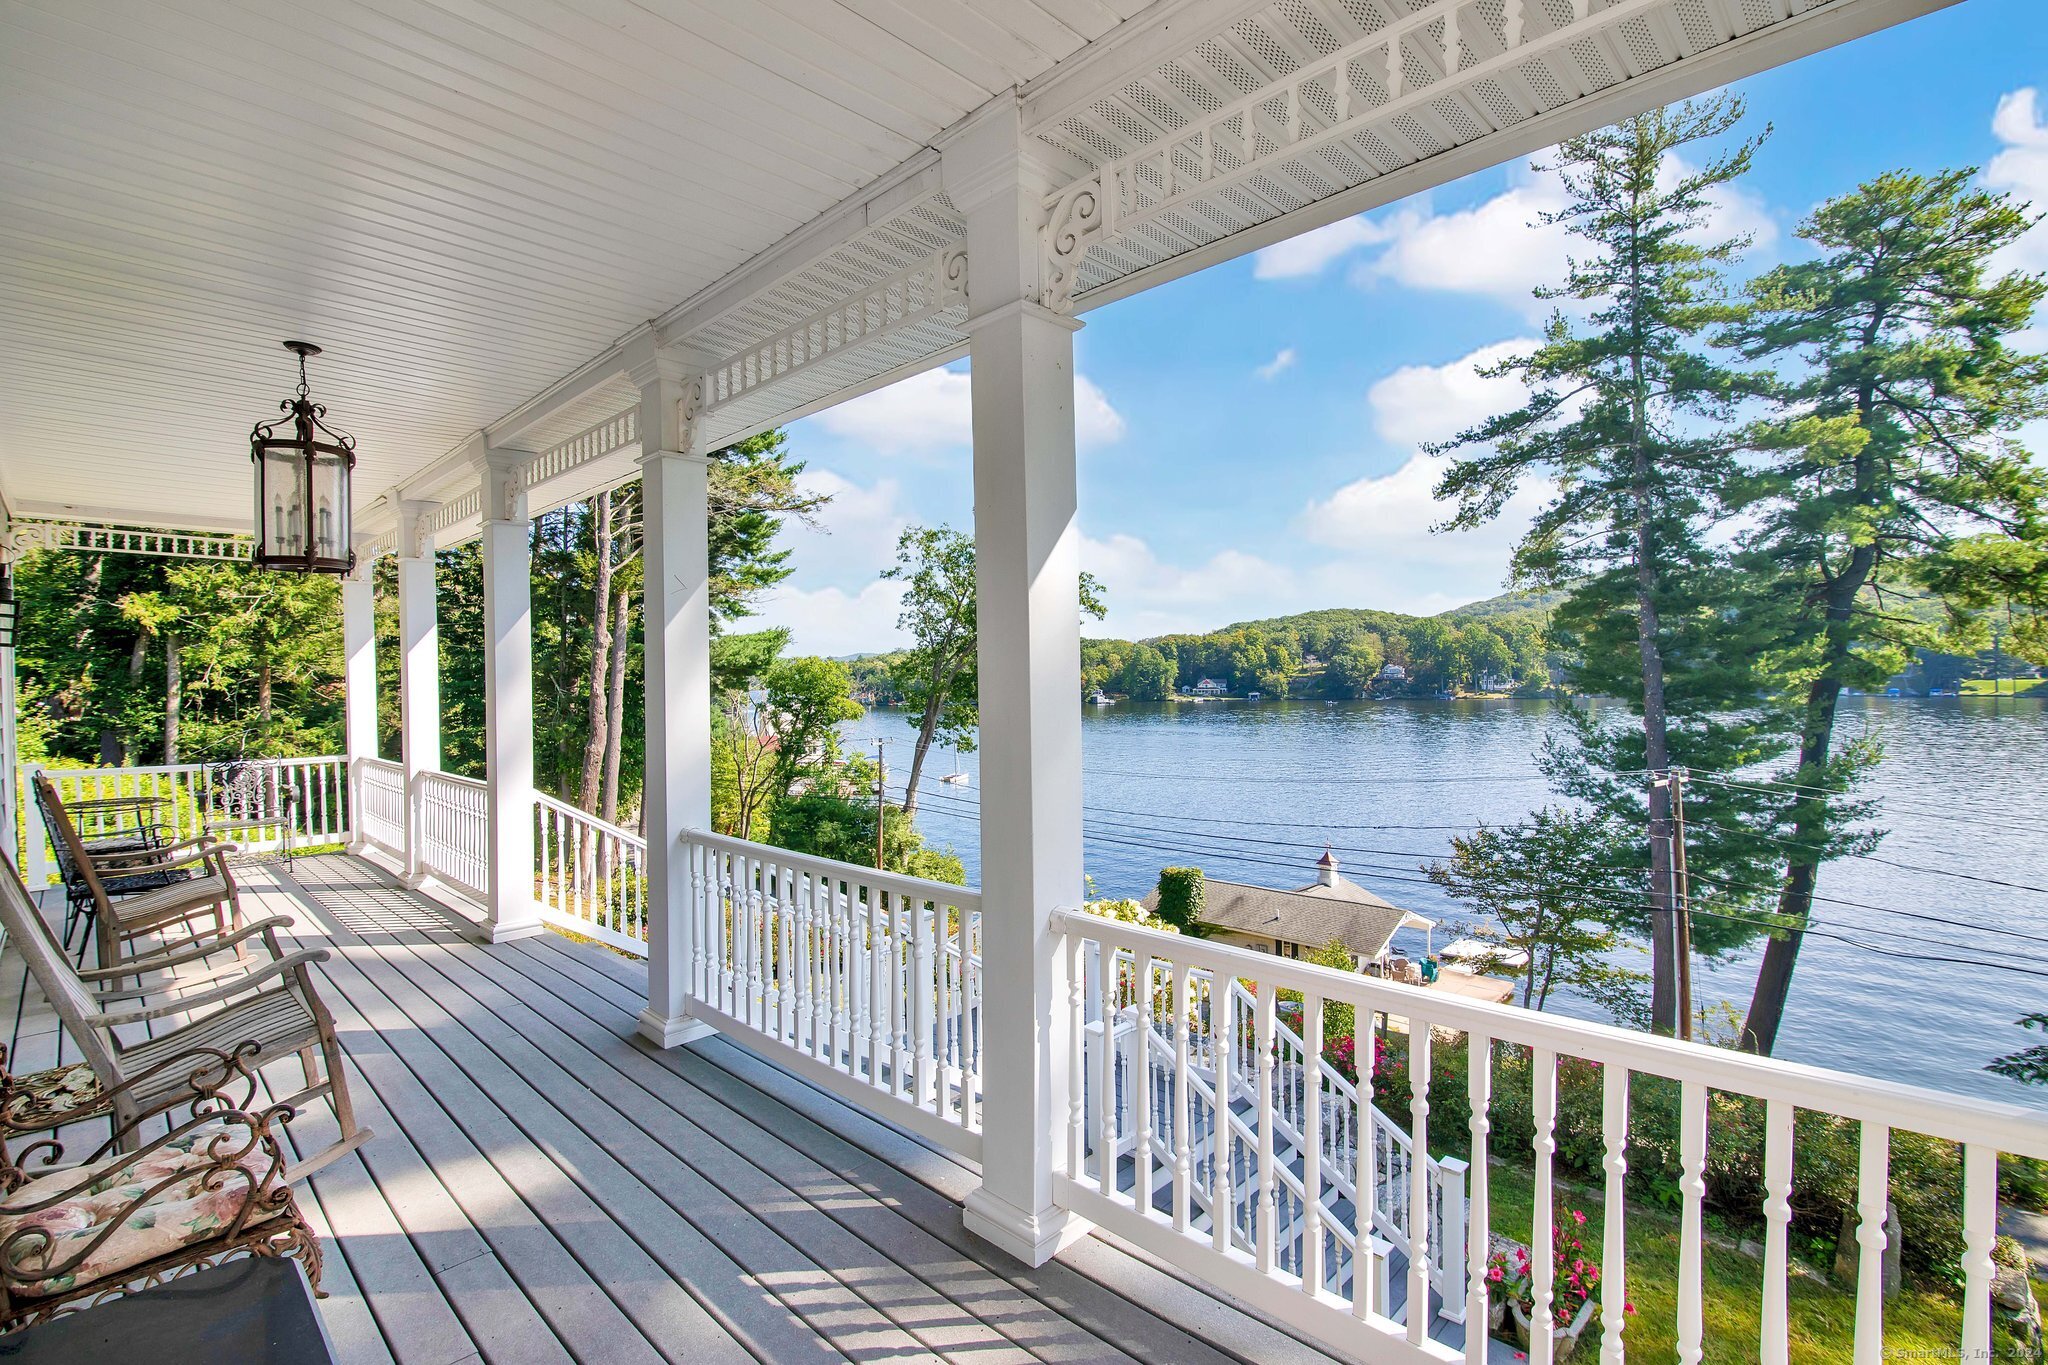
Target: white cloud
1309,253
934,411
1381,526
1148,596
1420,403
1502,248
833,622
2021,168
1279,364
855,535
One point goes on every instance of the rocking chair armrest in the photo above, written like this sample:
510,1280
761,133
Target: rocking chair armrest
177,956
197,841
163,990
290,964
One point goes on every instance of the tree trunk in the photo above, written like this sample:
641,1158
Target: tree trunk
265,696
615,720
174,694
927,730
600,655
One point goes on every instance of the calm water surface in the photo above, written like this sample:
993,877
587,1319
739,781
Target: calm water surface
1250,792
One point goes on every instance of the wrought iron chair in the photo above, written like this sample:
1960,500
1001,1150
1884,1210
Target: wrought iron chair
270,1006
114,837
209,1186
205,887
248,803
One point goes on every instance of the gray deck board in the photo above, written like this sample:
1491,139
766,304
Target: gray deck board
545,1186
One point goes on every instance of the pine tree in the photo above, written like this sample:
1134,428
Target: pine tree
1892,467
1624,423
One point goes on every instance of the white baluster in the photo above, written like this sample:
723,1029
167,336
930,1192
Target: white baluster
1222,1188
1266,1209
1542,1257
1366,1206
1141,1187
1692,1159
1419,1239
1077,1059
923,1015
1311,1129
1106,1133
1980,1230
877,969
1773,1346
1183,1111
1873,1186
1478,1243
1614,1246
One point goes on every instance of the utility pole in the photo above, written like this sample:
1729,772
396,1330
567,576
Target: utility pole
881,799
1683,897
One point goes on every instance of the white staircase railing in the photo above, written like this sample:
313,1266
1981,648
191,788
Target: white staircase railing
867,981
591,876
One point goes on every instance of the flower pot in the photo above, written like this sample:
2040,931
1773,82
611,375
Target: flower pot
1564,1341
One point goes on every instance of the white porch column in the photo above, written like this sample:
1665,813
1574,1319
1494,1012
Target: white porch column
359,677
510,910
677,612
419,663
1027,576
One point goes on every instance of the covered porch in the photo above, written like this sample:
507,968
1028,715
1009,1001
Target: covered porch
661,1093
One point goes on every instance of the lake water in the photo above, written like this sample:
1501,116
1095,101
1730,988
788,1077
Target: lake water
1251,792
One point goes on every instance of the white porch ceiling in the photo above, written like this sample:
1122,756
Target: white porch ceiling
462,200
470,202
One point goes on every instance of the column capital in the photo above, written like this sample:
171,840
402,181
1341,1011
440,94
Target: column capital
671,404
416,528
503,473
365,567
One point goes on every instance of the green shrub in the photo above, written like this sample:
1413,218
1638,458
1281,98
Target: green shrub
1181,896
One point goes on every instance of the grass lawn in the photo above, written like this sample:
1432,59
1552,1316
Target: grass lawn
2003,687
1823,1318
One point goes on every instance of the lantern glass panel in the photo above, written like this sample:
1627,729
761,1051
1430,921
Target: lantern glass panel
285,497
330,499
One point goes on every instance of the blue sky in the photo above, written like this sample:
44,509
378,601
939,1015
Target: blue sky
1249,434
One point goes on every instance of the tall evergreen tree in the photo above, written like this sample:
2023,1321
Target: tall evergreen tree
1622,421
1892,465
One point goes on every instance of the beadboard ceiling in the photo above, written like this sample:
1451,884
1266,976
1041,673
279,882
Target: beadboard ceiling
461,200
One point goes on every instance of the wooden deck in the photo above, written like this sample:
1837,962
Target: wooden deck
543,1186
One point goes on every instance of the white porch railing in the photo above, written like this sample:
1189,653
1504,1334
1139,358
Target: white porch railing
308,797
866,981
381,803
592,876
1271,1231
452,831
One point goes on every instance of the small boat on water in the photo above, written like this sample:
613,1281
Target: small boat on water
1100,698
958,777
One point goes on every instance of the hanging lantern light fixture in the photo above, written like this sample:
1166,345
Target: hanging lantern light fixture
302,484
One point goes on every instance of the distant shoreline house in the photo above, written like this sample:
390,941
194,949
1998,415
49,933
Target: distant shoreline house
1331,909
1209,687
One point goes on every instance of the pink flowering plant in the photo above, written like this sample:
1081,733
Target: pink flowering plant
1575,1276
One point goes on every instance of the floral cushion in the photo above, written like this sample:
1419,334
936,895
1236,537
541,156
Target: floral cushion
60,1095
182,1213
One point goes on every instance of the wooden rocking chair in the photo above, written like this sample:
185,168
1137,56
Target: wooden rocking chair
207,888
270,1007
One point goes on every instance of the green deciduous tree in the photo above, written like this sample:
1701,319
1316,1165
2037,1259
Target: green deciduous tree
1891,462
1543,886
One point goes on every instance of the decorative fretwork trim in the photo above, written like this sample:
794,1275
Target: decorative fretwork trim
1329,99
86,537
465,507
910,296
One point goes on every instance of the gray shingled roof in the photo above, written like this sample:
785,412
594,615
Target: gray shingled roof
1313,915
